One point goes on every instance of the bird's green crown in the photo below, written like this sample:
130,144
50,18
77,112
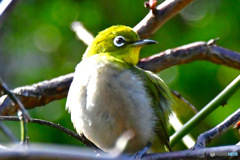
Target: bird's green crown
120,42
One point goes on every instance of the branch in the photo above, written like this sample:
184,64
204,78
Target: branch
220,99
23,114
178,95
8,133
194,51
55,152
82,33
149,25
81,138
37,94
15,100
223,152
47,91
159,16
206,137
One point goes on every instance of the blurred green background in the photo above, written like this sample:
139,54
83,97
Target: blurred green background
36,44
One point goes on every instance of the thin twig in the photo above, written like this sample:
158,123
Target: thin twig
57,126
222,152
8,133
206,137
178,95
24,114
220,99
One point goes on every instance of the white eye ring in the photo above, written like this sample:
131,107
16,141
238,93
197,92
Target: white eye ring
119,41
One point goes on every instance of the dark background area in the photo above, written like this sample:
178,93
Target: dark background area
36,44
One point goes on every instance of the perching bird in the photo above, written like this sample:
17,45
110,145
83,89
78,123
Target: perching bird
110,95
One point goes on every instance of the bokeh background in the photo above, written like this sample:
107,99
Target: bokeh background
36,44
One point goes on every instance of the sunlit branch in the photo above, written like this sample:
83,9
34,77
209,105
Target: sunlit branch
159,16
82,33
208,51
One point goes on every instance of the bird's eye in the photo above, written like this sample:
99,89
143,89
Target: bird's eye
119,41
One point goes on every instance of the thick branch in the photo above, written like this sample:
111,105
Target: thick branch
157,17
46,152
47,91
194,51
37,94
53,152
206,137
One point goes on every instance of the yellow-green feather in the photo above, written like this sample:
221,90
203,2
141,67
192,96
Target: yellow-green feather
103,43
161,103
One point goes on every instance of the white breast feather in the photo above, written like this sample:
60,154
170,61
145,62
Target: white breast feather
105,101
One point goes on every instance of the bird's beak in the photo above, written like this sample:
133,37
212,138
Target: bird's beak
143,42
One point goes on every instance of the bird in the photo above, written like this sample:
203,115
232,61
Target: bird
110,95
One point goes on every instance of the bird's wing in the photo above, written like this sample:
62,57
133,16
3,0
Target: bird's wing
161,102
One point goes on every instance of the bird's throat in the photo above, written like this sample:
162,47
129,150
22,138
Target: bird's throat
132,56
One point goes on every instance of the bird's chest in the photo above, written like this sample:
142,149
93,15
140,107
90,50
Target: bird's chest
114,101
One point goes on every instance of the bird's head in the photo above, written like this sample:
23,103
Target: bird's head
120,42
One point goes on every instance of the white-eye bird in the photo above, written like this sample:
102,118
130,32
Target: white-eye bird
110,95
